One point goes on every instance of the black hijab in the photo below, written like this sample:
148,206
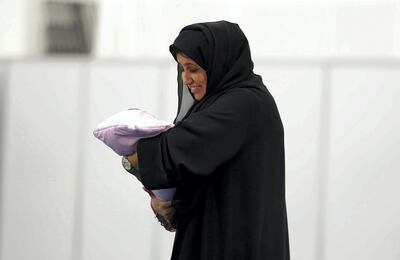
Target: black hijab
222,50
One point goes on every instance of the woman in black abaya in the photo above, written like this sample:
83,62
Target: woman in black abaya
225,154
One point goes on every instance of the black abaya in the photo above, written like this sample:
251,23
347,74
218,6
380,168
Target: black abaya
225,155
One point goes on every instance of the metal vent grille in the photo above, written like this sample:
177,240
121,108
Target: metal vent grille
70,27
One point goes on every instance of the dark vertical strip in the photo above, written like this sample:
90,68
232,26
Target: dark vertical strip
324,155
4,82
82,119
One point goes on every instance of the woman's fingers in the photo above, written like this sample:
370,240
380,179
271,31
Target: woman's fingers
133,159
164,212
161,203
163,208
169,214
165,223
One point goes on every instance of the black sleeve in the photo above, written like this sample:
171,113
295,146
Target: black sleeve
197,145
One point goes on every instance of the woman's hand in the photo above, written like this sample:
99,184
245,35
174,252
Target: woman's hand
163,210
133,159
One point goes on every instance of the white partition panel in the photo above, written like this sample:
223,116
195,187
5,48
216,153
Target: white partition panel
117,221
298,91
41,127
64,194
363,195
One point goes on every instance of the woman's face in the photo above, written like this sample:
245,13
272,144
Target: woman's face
193,76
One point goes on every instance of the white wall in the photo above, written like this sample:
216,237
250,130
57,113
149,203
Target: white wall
289,28
41,152
297,90
12,28
65,195
362,206
117,220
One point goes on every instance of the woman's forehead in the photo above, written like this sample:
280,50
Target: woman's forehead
185,60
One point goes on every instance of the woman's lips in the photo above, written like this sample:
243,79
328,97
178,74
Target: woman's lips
195,89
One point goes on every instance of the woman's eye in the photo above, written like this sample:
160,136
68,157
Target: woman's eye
191,70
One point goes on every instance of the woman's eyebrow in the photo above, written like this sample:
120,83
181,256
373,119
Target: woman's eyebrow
187,63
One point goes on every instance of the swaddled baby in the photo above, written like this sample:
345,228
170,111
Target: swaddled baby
122,131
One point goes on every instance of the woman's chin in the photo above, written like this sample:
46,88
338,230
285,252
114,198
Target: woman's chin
198,97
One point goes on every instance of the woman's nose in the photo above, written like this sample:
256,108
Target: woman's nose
186,79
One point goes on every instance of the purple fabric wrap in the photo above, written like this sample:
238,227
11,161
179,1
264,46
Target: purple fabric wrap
122,131
164,194
123,140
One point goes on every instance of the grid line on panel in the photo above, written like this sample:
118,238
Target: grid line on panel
83,95
329,62
4,85
263,60
324,153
